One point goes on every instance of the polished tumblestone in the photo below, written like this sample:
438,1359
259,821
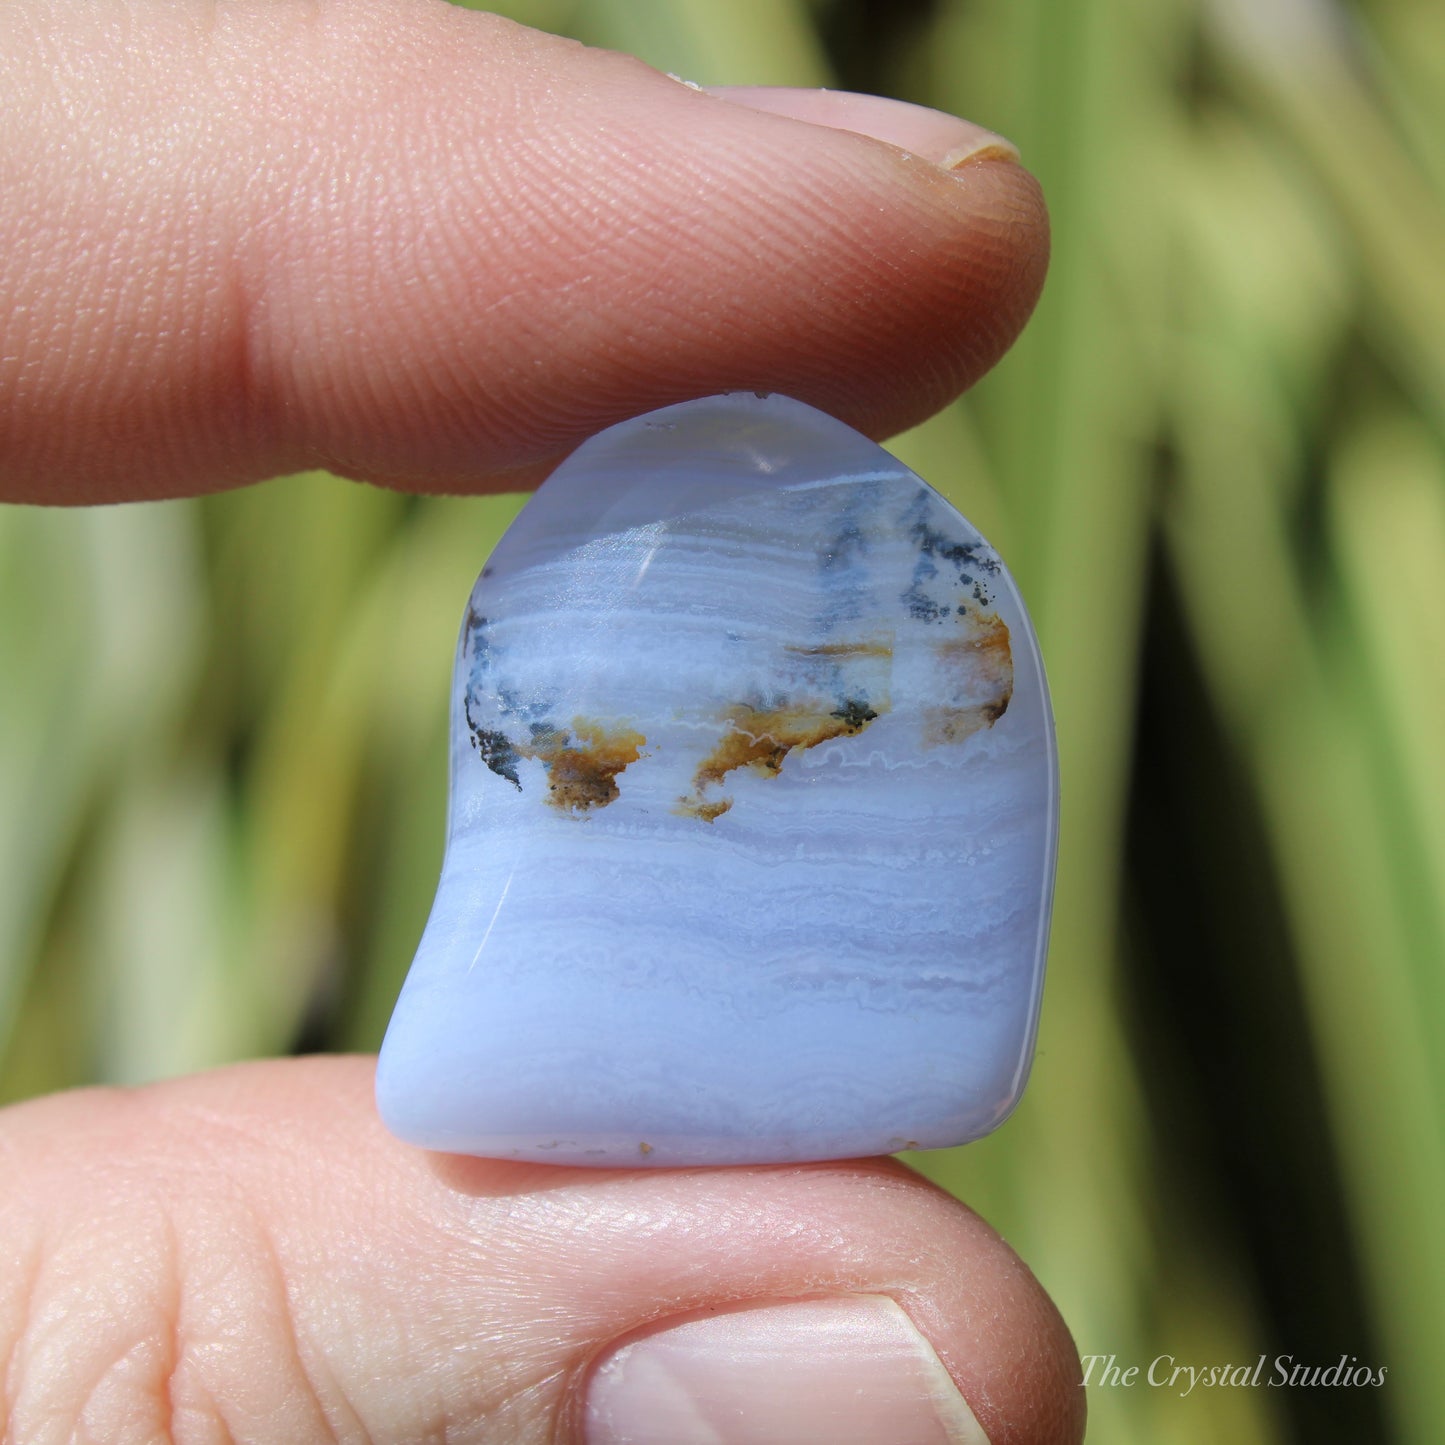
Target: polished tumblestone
752,827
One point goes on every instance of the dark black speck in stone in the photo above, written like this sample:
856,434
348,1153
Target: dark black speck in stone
498,751
961,554
921,606
855,712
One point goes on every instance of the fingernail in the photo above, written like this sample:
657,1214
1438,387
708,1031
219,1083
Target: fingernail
934,135
851,1371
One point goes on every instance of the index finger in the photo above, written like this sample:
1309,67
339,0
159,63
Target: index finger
434,249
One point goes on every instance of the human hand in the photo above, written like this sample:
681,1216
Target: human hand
433,249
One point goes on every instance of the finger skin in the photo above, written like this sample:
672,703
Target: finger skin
435,249
248,1255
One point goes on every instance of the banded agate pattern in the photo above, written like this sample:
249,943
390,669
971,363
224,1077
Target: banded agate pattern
752,824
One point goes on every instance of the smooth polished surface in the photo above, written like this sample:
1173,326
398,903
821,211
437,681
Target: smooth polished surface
753,813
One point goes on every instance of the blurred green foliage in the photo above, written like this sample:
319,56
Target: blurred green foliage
1216,462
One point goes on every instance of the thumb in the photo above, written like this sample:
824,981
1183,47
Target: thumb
432,248
248,1255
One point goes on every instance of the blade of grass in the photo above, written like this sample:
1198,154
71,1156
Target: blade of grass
157,931
1387,516
1295,61
99,624
752,42
1286,686
1333,856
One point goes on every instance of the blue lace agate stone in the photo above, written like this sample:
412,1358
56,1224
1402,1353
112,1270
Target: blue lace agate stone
752,828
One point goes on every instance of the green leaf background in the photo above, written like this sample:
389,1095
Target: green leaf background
1216,462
